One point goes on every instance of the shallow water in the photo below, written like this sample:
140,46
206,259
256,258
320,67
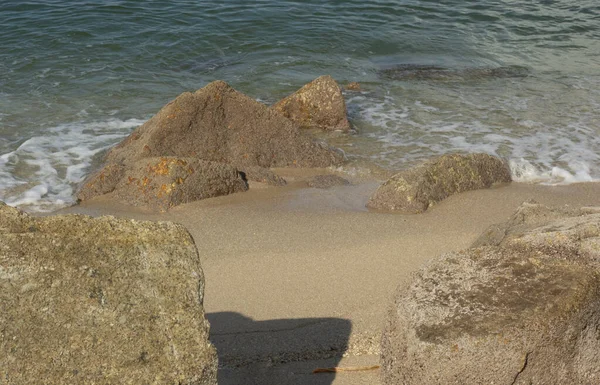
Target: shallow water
77,76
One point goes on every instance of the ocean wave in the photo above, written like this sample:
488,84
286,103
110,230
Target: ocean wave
44,171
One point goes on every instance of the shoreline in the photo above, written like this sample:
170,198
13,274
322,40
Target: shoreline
285,263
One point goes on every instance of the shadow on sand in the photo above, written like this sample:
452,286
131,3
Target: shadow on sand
282,351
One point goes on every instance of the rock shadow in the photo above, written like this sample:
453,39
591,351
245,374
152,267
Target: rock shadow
281,351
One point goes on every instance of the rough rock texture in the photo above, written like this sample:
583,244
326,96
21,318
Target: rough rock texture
100,301
319,104
415,190
219,124
161,183
214,124
263,175
327,181
523,310
101,182
574,233
353,86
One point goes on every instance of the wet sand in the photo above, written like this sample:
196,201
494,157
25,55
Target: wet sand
297,277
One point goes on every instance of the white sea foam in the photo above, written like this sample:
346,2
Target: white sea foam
44,171
542,145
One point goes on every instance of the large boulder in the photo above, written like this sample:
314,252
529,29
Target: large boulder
214,124
523,308
319,104
415,190
101,301
219,124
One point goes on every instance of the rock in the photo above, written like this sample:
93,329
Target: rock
161,183
319,104
101,301
408,72
492,315
214,124
219,124
415,190
327,181
262,175
523,310
554,231
101,182
353,86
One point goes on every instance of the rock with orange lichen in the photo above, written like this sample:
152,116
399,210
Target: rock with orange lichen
319,104
161,183
101,182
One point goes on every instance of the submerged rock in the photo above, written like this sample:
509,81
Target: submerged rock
415,190
427,72
525,311
101,301
319,104
327,181
214,124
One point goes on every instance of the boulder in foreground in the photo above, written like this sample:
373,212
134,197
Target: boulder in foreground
101,301
319,104
524,312
415,190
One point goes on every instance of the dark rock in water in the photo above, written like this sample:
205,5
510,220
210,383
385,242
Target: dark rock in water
424,72
262,175
327,181
415,190
161,183
101,301
319,104
219,124
524,312
215,124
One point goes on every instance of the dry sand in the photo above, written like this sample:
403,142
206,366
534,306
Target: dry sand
296,276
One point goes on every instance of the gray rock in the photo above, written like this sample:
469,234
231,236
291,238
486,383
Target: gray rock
101,301
327,181
415,190
319,104
523,311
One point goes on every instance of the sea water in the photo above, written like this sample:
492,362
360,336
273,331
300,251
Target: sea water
519,79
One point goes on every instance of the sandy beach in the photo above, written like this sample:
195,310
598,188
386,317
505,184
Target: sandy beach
300,278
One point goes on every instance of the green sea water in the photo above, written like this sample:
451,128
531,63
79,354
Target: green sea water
515,78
